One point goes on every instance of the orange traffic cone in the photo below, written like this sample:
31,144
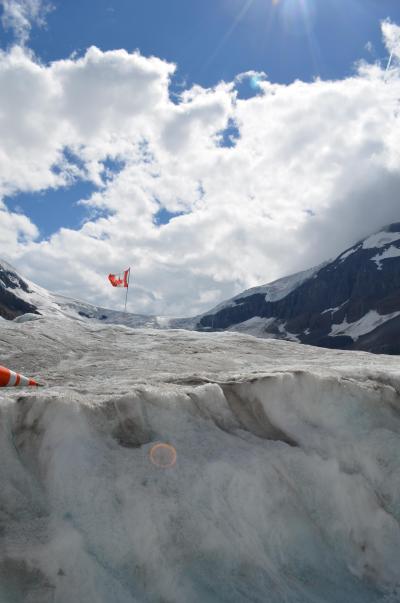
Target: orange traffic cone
10,379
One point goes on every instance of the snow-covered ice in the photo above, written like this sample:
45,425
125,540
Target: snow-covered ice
286,487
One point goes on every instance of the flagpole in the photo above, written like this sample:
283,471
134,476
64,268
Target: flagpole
127,289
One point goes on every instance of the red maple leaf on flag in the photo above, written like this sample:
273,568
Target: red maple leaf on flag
120,280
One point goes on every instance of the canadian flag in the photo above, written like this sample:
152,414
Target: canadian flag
120,280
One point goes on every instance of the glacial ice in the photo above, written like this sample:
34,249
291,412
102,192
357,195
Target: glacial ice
285,489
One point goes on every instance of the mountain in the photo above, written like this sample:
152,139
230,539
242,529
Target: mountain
20,300
352,302
14,294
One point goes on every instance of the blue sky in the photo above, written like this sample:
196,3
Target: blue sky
176,171
217,39
211,40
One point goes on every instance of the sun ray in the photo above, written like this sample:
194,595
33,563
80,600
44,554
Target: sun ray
299,14
243,11
313,46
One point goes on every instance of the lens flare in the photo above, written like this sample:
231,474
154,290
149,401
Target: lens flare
254,82
163,455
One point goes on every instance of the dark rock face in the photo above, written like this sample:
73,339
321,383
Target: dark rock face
345,289
11,305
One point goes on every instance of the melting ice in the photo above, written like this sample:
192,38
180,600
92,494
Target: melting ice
285,487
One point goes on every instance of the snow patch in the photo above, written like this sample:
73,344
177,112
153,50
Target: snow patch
281,288
392,252
366,324
380,239
347,253
334,310
256,326
289,336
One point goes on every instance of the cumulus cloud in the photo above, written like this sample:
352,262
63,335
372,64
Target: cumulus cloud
21,15
314,167
15,230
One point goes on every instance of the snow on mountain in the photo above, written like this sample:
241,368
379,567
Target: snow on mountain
19,296
285,486
380,239
366,324
273,291
255,325
351,302
391,252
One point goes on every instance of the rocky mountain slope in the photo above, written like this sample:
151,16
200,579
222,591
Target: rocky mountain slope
352,302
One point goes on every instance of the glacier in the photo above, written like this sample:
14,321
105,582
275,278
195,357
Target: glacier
286,486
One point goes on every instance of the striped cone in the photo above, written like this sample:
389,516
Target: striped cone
10,379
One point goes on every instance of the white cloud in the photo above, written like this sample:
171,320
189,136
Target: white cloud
15,230
391,33
20,15
316,166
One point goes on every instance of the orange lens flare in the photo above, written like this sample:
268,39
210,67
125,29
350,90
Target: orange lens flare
163,455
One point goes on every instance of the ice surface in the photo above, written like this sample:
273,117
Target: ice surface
285,490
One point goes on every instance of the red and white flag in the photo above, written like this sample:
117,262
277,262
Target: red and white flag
120,280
